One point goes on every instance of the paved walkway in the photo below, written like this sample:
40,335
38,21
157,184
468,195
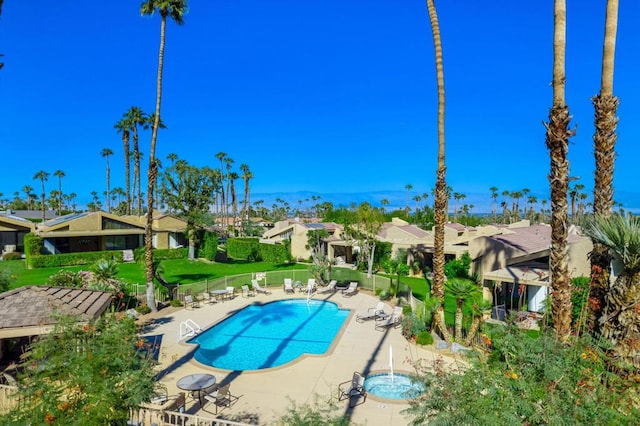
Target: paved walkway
266,394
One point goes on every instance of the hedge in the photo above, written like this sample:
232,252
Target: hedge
209,246
252,250
162,254
72,259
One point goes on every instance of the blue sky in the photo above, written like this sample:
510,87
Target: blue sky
333,97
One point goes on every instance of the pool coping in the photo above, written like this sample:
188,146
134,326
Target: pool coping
330,350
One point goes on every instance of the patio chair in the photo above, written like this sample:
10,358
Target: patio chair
393,320
189,302
372,313
246,291
258,289
288,285
230,294
206,298
220,397
351,290
331,288
353,389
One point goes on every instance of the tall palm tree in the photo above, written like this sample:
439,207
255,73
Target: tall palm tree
42,176
557,141
234,200
441,192
105,153
147,124
221,157
246,176
606,122
123,126
228,161
59,174
174,9
27,192
408,187
494,197
620,315
136,117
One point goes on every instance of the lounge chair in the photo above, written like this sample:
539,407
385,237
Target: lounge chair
258,289
372,313
393,320
310,287
351,290
189,302
331,288
353,389
246,291
288,285
220,397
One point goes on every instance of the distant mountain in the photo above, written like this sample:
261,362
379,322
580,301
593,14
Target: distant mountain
398,200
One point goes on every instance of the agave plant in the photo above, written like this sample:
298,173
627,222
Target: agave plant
105,270
620,319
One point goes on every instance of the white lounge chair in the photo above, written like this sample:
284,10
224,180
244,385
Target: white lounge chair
258,289
351,290
331,288
310,287
206,298
288,285
393,320
246,291
353,389
372,313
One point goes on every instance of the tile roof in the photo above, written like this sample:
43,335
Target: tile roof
34,306
531,239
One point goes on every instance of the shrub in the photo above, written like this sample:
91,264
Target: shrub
65,279
384,295
5,280
175,303
12,256
406,310
424,338
143,309
412,325
71,259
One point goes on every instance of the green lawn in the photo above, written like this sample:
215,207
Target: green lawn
182,270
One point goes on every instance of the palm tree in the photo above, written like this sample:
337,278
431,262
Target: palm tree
408,187
123,126
557,141
384,203
620,314
229,162
606,122
59,174
246,176
27,192
174,9
461,289
221,156
136,117
105,153
478,309
42,176
234,200
441,193
494,198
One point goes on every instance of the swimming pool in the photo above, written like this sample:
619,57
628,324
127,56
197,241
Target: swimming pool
270,335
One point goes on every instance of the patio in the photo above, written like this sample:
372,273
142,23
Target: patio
261,396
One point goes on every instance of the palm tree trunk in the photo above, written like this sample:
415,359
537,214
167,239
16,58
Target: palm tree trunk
557,141
606,122
475,325
459,320
152,174
441,199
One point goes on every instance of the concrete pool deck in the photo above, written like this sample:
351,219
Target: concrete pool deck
266,394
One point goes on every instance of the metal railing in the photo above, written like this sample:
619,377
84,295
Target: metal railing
270,279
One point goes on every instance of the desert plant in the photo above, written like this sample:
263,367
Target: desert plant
424,338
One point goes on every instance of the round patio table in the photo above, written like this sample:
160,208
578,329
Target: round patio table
197,383
218,294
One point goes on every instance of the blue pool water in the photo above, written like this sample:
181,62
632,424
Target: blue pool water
400,386
269,335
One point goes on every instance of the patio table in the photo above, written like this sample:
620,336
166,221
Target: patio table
218,294
197,383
